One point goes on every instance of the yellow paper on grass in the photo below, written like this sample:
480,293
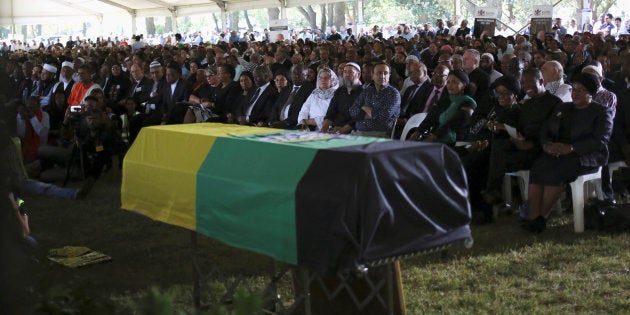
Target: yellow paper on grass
76,256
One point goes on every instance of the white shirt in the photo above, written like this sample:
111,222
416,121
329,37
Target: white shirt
173,86
314,108
41,128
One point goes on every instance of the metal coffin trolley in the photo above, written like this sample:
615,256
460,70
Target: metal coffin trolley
334,211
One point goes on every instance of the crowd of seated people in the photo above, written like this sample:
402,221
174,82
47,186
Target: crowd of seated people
498,94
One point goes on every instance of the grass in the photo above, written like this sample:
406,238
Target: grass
507,271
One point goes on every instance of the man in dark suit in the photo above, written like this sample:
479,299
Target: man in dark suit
430,56
435,108
257,110
415,97
173,92
285,112
479,80
150,116
283,63
440,29
141,86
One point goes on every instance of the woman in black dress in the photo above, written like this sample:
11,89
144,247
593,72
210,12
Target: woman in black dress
575,141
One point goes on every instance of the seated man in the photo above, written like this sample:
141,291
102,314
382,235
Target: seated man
338,118
376,109
95,145
33,125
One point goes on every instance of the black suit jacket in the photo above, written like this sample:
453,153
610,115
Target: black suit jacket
262,107
172,112
591,128
300,97
140,92
432,121
416,104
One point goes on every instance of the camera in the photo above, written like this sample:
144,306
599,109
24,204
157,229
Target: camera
75,109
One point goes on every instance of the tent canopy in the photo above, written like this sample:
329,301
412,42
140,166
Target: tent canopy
46,11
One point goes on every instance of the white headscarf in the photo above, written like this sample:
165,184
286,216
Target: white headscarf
327,94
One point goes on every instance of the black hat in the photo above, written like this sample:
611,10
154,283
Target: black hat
509,83
461,75
588,81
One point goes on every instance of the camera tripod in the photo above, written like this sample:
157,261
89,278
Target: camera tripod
77,150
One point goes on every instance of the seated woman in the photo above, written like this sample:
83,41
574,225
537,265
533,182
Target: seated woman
447,124
225,93
201,98
575,140
492,140
240,104
314,109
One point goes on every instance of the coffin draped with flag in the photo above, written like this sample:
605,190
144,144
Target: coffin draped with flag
326,202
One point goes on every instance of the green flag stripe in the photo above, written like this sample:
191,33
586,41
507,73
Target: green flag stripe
246,195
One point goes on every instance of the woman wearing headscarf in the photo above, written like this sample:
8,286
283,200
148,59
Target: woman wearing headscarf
449,124
575,142
117,86
314,109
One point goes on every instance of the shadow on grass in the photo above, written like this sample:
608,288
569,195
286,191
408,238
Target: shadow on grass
148,253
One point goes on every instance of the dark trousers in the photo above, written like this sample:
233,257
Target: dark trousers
505,157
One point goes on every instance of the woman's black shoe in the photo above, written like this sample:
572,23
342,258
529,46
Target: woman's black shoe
536,225
492,197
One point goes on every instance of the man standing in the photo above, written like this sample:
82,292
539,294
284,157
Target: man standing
559,29
376,109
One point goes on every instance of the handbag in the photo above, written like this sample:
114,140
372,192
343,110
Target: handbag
603,216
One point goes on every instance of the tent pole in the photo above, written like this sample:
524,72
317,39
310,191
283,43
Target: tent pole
134,26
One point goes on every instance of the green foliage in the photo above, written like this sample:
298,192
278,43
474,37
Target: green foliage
245,304
156,303
74,298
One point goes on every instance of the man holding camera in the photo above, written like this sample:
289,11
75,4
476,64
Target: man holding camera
95,144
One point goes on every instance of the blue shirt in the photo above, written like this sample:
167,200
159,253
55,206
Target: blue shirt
385,109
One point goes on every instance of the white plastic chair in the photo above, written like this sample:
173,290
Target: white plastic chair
413,122
579,193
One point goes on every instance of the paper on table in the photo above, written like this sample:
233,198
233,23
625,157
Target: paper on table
511,131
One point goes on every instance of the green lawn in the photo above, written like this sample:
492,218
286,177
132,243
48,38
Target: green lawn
507,271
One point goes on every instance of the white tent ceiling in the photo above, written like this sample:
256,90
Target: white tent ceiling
48,11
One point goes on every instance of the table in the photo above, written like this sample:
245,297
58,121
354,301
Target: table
321,201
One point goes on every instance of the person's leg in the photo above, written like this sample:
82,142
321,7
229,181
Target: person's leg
37,188
497,165
549,199
607,188
51,155
534,200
